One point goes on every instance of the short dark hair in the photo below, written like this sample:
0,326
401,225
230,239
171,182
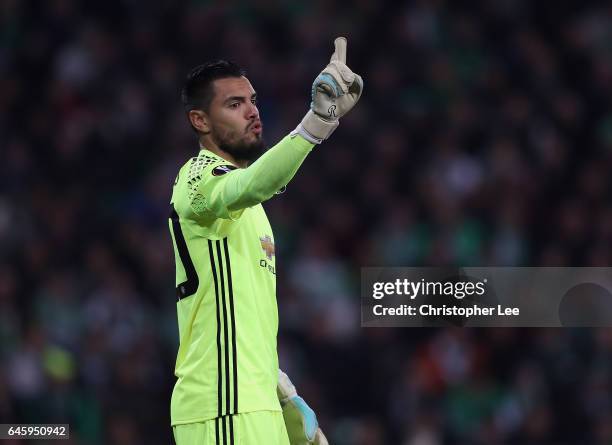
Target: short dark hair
197,93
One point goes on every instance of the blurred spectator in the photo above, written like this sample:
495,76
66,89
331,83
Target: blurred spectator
484,137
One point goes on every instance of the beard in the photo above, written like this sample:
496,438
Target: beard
243,151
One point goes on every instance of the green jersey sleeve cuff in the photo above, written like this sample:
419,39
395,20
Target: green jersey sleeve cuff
300,142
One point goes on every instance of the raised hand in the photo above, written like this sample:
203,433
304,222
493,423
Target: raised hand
337,89
334,93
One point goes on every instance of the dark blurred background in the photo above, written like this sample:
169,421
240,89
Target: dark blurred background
484,137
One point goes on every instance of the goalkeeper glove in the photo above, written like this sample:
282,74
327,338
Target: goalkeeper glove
334,92
300,419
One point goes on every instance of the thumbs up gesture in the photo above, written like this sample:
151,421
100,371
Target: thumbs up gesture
334,92
337,89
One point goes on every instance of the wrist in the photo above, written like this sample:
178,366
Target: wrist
315,129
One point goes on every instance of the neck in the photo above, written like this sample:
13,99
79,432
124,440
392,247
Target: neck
208,144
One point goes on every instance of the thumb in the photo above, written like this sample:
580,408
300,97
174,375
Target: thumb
339,50
320,438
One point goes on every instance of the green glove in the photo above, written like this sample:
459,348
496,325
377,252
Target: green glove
300,420
334,93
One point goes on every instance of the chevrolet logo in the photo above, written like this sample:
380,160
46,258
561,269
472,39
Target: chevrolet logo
267,246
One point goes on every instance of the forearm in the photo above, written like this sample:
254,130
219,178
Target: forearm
262,179
334,93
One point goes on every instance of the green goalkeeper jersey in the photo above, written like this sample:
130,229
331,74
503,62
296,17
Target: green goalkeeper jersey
227,361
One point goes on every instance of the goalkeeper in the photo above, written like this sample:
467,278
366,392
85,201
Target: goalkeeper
229,389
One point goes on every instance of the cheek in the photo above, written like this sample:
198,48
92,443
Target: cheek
229,123
226,131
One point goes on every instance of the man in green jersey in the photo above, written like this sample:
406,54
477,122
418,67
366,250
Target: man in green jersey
229,388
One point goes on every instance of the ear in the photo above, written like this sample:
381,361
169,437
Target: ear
200,121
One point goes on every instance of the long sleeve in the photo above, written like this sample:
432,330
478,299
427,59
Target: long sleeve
226,195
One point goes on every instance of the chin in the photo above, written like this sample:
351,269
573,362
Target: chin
246,150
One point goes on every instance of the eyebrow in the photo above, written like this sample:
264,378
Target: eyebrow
239,98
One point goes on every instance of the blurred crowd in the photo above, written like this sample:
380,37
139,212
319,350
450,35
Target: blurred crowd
484,137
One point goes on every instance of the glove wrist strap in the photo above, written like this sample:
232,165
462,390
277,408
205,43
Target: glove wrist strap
314,129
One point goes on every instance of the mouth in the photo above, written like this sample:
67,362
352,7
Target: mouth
256,128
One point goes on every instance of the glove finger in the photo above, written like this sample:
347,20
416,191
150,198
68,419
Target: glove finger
326,89
341,73
327,83
340,69
300,419
320,438
340,50
356,87
284,388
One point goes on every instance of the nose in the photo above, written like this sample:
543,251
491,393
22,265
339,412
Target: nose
252,111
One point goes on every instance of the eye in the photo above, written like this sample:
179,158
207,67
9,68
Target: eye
234,104
254,101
